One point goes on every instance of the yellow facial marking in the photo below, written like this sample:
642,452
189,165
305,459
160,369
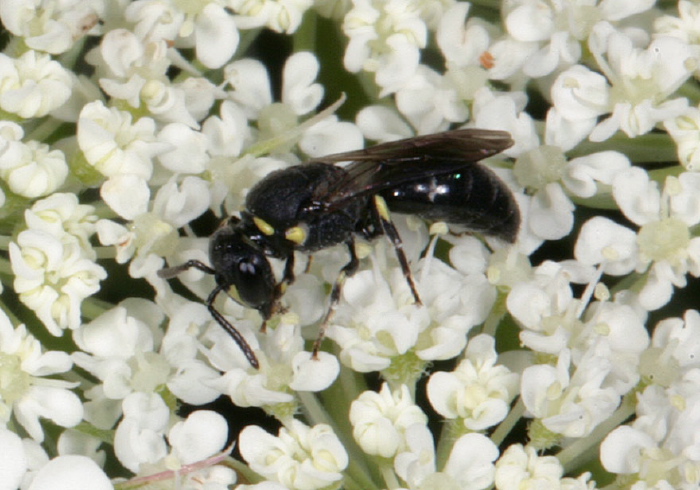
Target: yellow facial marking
382,208
296,234
264,226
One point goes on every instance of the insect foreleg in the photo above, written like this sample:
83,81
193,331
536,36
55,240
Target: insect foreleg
171,272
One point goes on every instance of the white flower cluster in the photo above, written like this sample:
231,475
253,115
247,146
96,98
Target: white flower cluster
127,128
53,261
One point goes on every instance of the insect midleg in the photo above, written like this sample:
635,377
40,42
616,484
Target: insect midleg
237,337
381,213
348,270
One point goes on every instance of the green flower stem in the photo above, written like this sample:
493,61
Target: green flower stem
45,129
648,148
389,475
504,428
336,400
691,91
105,252
304,38
10,314
245,474
248,37
5,265
106,436
93,307
316,413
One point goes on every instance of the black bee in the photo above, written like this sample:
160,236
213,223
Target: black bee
319,204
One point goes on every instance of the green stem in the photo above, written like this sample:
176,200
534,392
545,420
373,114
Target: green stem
105,252
92,307
356,475
336,402
44,130
389,476
5,265
313,410
248,37
647,148
305,37
508,423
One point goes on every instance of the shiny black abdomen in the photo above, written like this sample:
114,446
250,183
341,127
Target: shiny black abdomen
474,198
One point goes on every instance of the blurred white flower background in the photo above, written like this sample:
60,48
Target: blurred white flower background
569,359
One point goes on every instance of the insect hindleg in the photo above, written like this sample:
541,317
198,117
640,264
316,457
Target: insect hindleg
230,329
381,214
348,270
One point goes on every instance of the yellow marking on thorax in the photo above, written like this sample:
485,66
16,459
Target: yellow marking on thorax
296,234
264,226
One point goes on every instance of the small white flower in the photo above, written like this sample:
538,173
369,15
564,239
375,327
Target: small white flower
115,145
140,436
53,276
559,28
569,405
520,467
680,339
188,154
663,433
123,348
227,133
685,131
380,420
666,248
198,437
613,246
71,471
60,213
33,85
684,27
376,320
299,457
549,178
506,112
382,124
470,464
285,366
280,16
417,461
14,464
209,27
49,26
30,169
331,136
478,391
25,393
178,204
431,101
639,83
385,38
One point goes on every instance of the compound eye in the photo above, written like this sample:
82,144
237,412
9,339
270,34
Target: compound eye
255,283
247,268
